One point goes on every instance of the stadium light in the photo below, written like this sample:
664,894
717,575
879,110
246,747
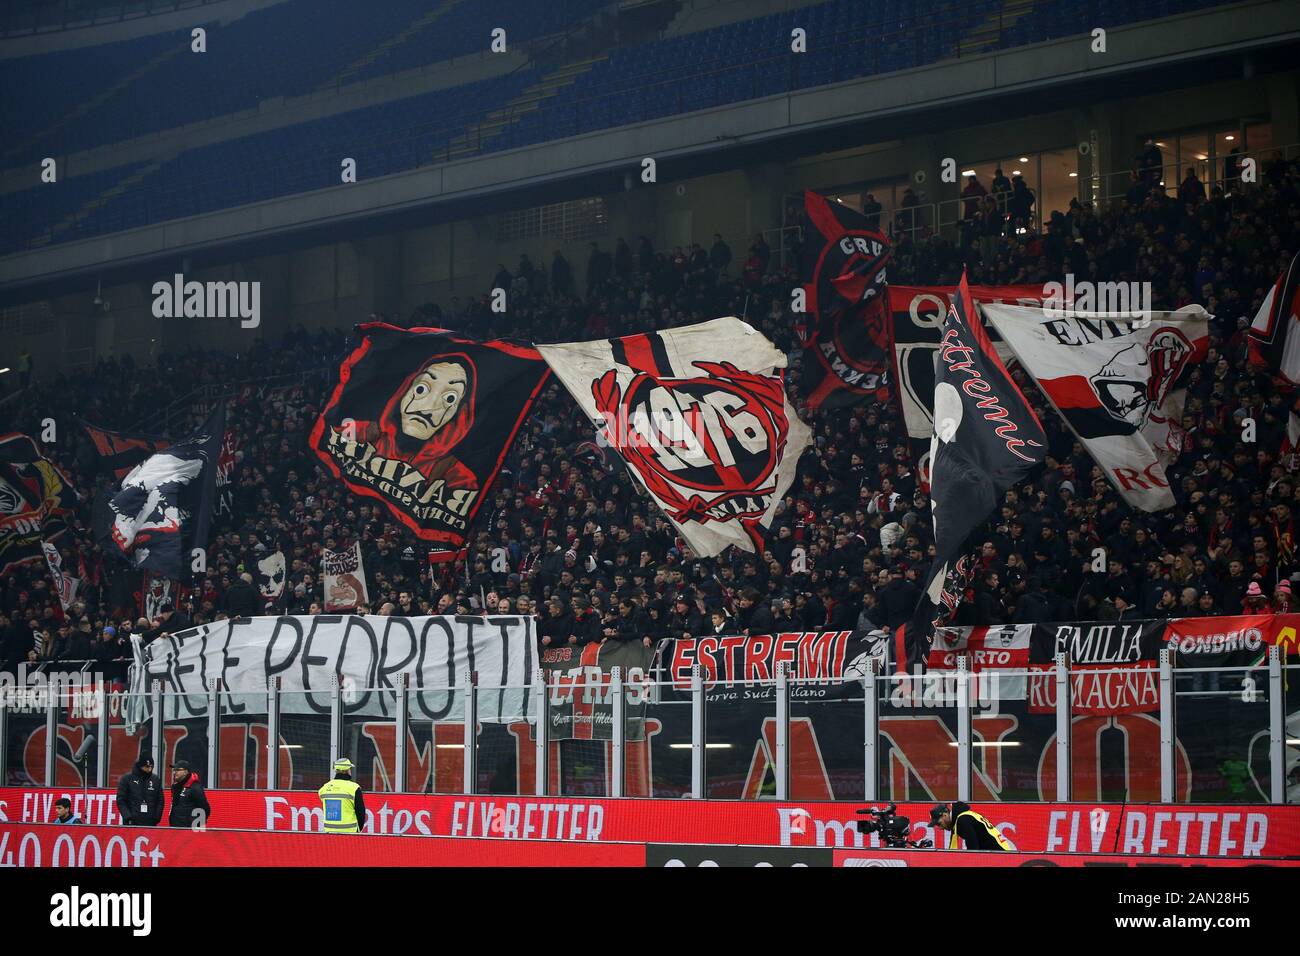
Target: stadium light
982,743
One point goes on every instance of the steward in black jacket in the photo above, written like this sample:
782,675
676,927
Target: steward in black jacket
140,796
188,799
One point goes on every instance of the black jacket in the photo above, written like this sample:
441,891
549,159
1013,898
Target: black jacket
136,790
187,797
633,627
241,600
558,629
587,628
970,832
898,600
179,621
760,618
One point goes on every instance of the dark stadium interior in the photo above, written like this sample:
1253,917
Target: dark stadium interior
523,171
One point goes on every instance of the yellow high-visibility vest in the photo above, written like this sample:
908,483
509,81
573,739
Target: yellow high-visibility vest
993,831
338,801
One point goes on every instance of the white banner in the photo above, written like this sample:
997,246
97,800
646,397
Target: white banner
65,585
366,653
343,578
157,593
701,418
1116,382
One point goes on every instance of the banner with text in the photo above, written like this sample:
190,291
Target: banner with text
581,695
363,653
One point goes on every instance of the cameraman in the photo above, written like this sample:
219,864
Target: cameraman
968,826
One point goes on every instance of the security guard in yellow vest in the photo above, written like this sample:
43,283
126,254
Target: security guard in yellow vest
966,825
342,801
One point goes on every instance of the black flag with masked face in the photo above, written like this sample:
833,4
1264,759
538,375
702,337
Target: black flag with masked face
986,438
421,421
160,513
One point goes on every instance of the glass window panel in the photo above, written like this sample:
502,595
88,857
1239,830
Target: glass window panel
305,738
370,737
505,750
435,757
660,765
917,748
1221,723
827,728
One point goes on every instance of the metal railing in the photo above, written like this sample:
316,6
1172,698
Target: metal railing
947,217
983,734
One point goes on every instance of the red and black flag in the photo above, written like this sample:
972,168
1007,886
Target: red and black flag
120,452
1274,340
986,438
36,501
847,339
422,420
700,416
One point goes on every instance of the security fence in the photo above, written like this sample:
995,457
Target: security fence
1153,731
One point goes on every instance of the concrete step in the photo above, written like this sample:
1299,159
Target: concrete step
99,98
98,202
414,27
528,100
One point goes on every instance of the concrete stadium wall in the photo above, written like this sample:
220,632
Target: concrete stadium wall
341,283
870,104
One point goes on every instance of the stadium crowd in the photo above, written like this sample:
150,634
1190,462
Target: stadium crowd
566,535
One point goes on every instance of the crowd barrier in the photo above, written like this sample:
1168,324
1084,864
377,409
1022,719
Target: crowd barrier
1264,832
1200,711
47,845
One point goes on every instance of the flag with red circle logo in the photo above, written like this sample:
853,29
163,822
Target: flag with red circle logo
702,420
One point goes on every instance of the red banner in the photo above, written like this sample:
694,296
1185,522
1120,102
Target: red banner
1249,831
46,845
1098,692
929,858
1245,635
